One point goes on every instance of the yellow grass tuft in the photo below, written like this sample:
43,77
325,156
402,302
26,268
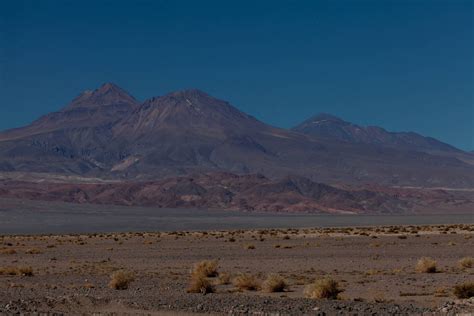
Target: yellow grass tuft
467,262
22,271
120,280
426,265
246,281
323,288
224,278
8,251
465,290
274,283
200,284
206,268
33,251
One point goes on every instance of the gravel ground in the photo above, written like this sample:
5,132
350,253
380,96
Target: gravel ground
375,266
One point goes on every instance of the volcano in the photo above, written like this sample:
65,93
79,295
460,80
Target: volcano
107,133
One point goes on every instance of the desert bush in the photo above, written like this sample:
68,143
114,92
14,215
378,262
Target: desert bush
22,271
426,265
323,288
249,246
26,271
224,278
9,251
465,290
33,251
274,283
8,271
120,280
467,262
246,281
206,268
200,284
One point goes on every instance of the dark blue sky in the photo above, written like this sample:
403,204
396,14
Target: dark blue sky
401,64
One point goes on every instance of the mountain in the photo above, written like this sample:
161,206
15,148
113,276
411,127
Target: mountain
108,134
63,141
189,131
102,106
331,127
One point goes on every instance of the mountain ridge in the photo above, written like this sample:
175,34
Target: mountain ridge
189,131
332,127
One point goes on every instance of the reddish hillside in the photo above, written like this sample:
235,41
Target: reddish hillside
234,192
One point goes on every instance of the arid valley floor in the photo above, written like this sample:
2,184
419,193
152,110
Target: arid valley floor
374,266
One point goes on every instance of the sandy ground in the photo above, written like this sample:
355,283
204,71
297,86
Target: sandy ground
374,265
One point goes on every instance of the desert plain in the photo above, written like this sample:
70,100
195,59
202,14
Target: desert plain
376,270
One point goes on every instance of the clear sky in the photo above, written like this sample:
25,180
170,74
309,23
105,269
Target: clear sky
401,64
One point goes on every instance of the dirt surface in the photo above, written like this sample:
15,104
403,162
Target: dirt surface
18,217
375,266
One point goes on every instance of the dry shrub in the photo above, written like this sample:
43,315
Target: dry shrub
246,281
440,292
274,283
465,290
33,251
224,278
200,284
120,280
426,265
8,271
9,251
206,268
467,262
249,246
26,271
22,271
323,288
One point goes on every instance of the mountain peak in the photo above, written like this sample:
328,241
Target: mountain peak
109,87
194,95
190,92
322,117
107,94
192,109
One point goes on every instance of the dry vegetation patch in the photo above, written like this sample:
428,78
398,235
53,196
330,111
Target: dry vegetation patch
33,251
323,288
21,271
274,283
426,265
224,278
120,280
206,268
246,281
200,284
9,251
467,262
465,290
